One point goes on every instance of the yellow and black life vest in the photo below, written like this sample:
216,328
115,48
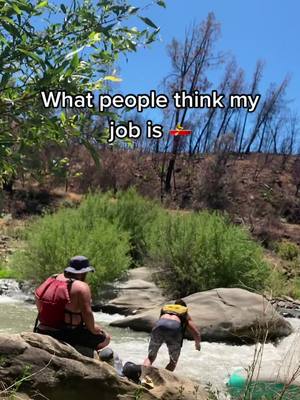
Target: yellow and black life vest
176,309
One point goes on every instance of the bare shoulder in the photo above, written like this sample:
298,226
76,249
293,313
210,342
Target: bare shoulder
81,287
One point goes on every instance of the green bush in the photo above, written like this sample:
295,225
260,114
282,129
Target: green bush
202,251
110,231
136,215
287,250
7,273
277,284
130,211
54,239
194,251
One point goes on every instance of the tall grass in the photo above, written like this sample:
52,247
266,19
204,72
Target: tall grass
202,251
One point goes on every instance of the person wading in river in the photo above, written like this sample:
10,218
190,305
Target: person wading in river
64,307
169,329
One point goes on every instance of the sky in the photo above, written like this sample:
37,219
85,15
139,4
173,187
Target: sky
250,30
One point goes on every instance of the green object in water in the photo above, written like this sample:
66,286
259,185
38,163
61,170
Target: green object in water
259,390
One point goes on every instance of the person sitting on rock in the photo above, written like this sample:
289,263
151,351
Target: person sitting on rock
64,307
170,329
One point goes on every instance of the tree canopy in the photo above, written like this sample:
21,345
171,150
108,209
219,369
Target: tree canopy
47,46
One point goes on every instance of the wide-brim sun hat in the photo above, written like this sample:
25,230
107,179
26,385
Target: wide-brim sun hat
79,265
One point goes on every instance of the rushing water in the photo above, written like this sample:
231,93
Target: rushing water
213,364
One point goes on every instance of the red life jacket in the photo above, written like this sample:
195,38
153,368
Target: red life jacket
52,296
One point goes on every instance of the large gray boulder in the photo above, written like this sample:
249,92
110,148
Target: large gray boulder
46,368
223,315
138,293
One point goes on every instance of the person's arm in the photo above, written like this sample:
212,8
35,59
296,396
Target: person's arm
86,310
195,333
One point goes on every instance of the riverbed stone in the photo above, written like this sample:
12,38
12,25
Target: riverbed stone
223,315
138,293
56,371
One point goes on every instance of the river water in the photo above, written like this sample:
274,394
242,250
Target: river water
213,364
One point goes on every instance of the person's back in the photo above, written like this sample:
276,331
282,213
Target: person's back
71,304
170,329
73,309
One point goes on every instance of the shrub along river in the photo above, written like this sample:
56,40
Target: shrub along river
213,364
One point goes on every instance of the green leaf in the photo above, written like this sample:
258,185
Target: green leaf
5,79
6,19
94,37
74,52
112,78
2,39
63,117
131,45
11,28
68,73
129,142
96,85
42,4
23,5
16,8
63,8
31,55
75,61
151,38
161,3
133,10
149,22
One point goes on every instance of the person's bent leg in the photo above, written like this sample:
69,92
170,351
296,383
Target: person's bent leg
81,336
155,343
171,366
174,349
149,361
104,343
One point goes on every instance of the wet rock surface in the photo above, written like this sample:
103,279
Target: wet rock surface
135,294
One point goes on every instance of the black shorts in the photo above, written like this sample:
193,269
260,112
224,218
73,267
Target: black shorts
79,336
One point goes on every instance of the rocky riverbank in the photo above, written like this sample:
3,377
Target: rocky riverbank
46,368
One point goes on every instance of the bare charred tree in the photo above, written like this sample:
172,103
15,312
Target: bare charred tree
275,130
254,89
233,83
293,131
190,62
289,138
296,175
267,109
215,121
214,188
